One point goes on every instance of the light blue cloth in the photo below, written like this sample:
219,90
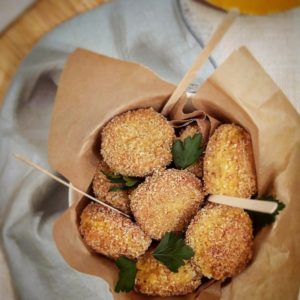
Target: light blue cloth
149,32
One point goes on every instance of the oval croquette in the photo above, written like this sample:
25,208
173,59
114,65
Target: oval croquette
137,142
221,237
229,163
111,234
166,201
155,279
101,188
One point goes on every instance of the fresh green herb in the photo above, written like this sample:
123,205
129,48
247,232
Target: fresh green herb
119,188
114,178
127,274
261,219
172,251
125,182
187,152
131,181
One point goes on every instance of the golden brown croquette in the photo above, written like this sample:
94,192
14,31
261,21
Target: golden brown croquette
102,185
166,201
229,163
155,279
221,237
111,234
137,142
189,131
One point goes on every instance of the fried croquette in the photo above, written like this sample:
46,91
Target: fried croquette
197,167
154,278
229,164
221,237
102,185
111,234
166,201
137,142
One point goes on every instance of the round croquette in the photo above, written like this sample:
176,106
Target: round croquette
229,163
111,234
166,201
102,185
155,279
189,131
222,239
137,142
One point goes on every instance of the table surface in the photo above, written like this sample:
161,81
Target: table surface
19,38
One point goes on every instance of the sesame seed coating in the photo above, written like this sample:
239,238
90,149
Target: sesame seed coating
221,237
101,185
166,201
229,163
154,278
197,167
137,142
112,234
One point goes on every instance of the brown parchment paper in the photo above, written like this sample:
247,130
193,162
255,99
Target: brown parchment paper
93,88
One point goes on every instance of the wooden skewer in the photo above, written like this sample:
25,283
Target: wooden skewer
250,204
41,169
202,57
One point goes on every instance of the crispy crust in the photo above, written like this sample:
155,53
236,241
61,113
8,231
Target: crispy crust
101,186
155,279
187,131
166,202
112,234
197,167
229,163
222,239
137,142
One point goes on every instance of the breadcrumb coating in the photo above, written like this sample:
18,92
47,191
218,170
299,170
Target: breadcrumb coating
111,234
189,130
166,201
222,239
155,279
102,185
197,167
229,163
137,142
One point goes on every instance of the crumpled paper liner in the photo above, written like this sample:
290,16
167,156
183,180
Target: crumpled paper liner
93,88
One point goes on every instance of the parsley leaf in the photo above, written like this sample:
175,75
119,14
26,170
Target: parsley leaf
261,219
172,251
125,182
131,181
187,152
127,274
119,188
114,178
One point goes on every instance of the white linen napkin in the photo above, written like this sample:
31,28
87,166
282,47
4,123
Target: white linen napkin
11,9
